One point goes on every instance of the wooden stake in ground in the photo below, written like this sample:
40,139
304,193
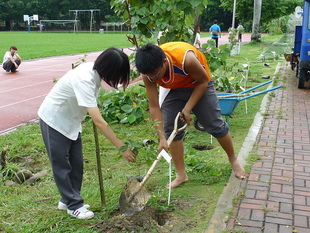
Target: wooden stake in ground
2,158
102,195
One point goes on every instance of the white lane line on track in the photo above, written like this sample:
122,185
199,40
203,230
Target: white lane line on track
22,87
22,101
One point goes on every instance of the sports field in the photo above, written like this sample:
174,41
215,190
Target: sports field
38,45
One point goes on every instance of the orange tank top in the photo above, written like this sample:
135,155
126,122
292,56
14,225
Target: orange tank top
178,78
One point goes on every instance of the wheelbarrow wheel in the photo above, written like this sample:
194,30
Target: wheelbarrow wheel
198,126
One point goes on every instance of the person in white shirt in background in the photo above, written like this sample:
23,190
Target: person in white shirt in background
61,114
240,30
197,42
11,60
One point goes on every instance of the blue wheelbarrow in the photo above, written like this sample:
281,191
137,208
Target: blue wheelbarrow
229,101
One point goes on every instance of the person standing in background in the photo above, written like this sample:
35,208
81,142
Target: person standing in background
215,31
240,30
197,42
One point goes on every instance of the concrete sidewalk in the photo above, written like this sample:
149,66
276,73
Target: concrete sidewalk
276,196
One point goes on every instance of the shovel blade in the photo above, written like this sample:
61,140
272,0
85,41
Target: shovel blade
133,198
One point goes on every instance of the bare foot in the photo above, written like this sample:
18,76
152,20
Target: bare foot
177,182
238,170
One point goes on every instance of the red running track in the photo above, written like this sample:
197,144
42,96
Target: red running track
23,92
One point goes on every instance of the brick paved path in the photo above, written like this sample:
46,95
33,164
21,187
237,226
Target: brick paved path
276,197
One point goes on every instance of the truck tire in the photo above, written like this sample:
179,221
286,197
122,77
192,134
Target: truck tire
301,77
297,70
293,64
198,126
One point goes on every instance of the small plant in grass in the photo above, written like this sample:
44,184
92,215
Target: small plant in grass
232,37
122,107
10,171
159,201
252,157
222,74
216,57
225,81
133,146
150,153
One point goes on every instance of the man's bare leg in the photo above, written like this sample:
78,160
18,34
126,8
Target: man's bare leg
177,152
227,145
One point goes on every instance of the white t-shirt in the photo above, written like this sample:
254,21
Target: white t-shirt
197,38
64,108
7,55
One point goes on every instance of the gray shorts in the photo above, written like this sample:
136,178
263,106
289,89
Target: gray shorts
207,111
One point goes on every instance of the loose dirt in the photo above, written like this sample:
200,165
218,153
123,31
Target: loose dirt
148,220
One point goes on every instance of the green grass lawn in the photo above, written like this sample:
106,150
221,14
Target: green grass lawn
38,45
32,208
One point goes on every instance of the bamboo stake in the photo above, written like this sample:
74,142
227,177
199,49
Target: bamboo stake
102,194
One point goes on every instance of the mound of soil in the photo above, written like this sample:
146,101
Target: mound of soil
146,220
202,147
149,220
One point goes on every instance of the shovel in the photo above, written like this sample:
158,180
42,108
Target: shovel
135,195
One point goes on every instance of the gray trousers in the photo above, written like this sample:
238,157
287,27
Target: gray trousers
9,66
66,158
207,111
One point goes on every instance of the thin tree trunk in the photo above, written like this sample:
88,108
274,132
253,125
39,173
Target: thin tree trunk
196,25
256,20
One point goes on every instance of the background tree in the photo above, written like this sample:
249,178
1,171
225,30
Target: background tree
256,20
10,12
175,18
270,10
214,11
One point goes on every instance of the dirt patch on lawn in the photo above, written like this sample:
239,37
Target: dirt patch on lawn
148,220
203,147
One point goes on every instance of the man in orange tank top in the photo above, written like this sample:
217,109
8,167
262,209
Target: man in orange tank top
186,86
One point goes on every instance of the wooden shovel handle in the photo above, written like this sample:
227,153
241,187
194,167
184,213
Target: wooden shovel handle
169,141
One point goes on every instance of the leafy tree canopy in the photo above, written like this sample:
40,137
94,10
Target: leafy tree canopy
175,18
270,9
13,10
214,11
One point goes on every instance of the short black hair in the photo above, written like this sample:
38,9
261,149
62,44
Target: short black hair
215,21
13,47
113,67
149,58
